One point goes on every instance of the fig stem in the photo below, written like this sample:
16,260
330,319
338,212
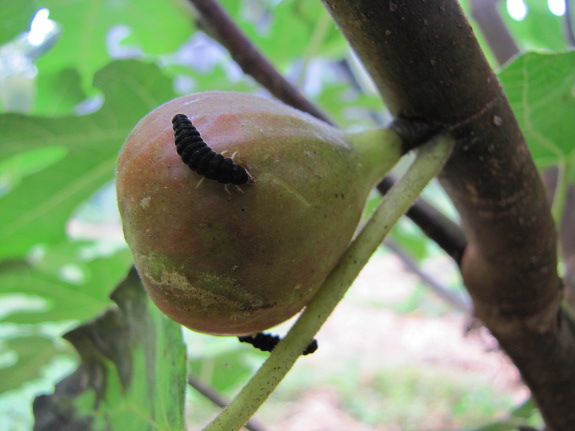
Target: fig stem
429,161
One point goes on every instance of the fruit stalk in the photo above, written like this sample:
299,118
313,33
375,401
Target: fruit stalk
428,163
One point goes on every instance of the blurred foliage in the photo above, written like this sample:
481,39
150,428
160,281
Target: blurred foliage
540,29
131,374
115,61
15,17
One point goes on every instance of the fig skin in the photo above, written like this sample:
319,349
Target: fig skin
224,261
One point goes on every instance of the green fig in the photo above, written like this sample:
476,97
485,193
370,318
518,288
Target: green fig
238,259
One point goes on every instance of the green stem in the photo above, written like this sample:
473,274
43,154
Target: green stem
561,190
429,161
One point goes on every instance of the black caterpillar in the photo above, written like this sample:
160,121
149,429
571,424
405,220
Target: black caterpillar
267,342
200,158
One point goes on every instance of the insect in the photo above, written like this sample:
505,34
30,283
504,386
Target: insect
267,342
202,159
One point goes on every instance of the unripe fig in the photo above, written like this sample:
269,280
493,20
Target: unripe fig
236,260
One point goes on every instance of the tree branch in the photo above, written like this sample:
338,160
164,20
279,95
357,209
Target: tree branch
434,224
250,59
458,302
218,400
427,65
570,32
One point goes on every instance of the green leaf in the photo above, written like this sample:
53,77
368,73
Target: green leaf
15,17
525,410
58,92
541,90
32,352
225,370
539,30
73,286
36,211
19,166
132,374
155,27
496,426
282,32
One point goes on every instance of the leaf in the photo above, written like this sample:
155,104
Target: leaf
32,353
18,166
36,211
15,17
283,34
132,373
541,90
227,369
525,410
58,92
74,287
496,426
528,32
153,26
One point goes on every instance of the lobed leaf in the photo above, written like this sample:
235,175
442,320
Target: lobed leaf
131,375
37,209
85,42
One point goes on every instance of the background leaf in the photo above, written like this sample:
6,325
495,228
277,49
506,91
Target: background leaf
15,17
73,285
132,373
58,93
86,41
37,210
529,32
32,352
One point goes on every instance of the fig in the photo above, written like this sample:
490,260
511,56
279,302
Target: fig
229,259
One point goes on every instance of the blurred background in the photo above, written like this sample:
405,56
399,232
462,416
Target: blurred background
401,352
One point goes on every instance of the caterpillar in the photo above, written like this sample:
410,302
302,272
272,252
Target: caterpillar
267,342
202,159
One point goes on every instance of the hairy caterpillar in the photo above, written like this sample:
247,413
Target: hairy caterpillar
267,342
202,159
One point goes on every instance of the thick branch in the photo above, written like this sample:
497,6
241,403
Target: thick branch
427,65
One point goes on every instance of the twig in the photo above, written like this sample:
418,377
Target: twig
494,30
459,302
212,395
250,59
569,30
448,235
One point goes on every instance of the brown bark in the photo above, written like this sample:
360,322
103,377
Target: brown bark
428,66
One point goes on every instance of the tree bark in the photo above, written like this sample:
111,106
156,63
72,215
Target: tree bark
428,66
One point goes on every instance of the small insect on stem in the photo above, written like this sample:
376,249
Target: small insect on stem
267,342
202,159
